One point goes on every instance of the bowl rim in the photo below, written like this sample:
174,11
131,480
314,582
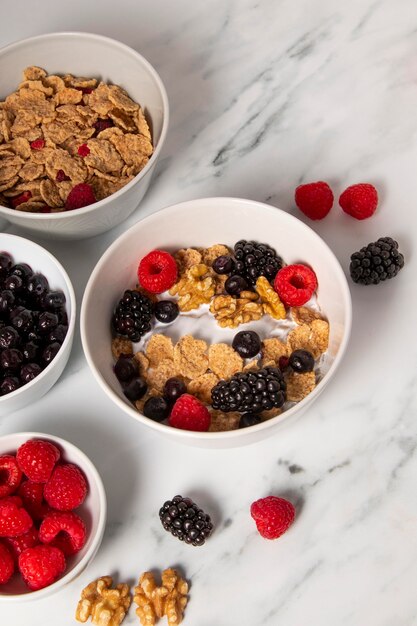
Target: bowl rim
6,211
222,435
72,573
71,320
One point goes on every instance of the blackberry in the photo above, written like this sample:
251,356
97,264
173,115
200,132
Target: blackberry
133,314
185,520
376,262
250,392
256,259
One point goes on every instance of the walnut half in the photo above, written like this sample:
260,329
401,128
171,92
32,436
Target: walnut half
231,312
105,606
169,599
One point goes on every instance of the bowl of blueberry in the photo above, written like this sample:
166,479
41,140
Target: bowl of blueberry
216,320
37,321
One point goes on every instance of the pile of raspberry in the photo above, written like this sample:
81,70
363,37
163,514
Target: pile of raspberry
39,529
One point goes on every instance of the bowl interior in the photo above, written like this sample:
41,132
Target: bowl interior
41,261
203,223
92,56
92,511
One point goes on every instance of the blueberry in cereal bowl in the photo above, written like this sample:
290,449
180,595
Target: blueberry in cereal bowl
37,320
228,368
80,134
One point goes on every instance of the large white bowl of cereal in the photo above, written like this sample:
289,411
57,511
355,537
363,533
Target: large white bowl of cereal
215,320
82,122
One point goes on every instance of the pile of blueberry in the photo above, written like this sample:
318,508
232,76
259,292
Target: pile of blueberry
33,323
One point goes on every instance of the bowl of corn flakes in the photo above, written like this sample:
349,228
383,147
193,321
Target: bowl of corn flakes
220,329
83,119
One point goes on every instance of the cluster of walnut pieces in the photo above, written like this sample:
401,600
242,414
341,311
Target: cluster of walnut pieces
108,606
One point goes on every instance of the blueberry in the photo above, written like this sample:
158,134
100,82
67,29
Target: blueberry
166,311
7,300
11,359
174,388
301,361
29,371
135,389
249,419
37,285
223,264
30,351
13,283
9,337
235,284
5,264
23,321
247,343
9,384
53,300
47,321
126,368
21,269
50,352
57,334
156,409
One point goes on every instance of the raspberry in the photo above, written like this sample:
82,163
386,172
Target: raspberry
6,564
41,566
66,489
61,176
102,124
24,197
314,199
188,413
23,542
359,201
295,284
10,475
80,195
14,520
83,150
38,144
37,459
273,516
32,497
157,271
64,530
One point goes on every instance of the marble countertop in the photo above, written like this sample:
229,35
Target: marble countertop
264,95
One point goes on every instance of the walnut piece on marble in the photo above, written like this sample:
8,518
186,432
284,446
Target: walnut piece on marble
170,599
105,606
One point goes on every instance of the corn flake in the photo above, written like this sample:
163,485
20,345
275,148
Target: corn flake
190,357
224,361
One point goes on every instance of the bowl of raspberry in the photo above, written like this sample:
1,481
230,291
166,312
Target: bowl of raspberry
37,321
216,321
52,514
84,118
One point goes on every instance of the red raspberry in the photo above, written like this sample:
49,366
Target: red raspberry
41,566
38,144
32,496
283,362
66,489
102,124
10,475
23,542
295,284
37,459
6,564
359,201
188,413
83,150
24,197
273,516
61,176
157,271
80,195
64,530
14,520
314,199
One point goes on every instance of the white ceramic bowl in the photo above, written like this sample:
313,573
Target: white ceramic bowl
93,511
202,223
40,260
85,54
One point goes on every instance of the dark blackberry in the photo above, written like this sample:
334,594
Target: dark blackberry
250,392
256,259
376,262
186,521
133,314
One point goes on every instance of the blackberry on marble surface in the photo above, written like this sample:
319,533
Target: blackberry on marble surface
186,521
376,262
